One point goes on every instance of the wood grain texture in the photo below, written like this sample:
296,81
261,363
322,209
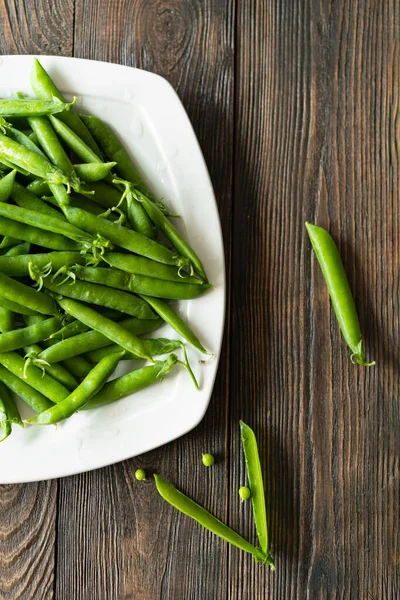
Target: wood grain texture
28,512
132,544
36,27
317,138
27,540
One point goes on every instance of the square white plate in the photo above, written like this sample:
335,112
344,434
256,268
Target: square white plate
147,114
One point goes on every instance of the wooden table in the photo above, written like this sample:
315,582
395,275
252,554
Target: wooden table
296,106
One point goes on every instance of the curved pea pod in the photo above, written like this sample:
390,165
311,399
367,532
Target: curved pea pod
193,510
155,347
6,185
57,371
30,161
168,314
18,309
53,149
123,237
19,292
25,140
140,265
6,320
45,89
172,234
18,250
132,382
103,296
27,200
112,148
93,172
18,338
92,384
113,331
339,290
39,187
31,107
87,341
254,474
140,284
33,398
9,413
36,236
35,377
8,242
78,366
18,266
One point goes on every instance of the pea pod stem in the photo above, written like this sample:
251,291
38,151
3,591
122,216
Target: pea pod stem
339,290
193,510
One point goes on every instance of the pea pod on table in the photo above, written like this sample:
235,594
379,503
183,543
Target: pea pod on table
254,474
339,290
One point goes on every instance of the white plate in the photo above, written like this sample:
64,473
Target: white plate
147,114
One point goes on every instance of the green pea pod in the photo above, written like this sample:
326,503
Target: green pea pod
18,266
25,140
6,186
18,250
6,320
45,89
140,265
27,200
132,382
34,376
39,187
22,294
92,384
46,222
92,172
139,284
171,233
19,309
123,237
193,510
30,161
57,371
36,236
167,313
113,331
31,107
103,296
33,398
9,413
78,366
156,347
9,242
339,290
256,485
37,332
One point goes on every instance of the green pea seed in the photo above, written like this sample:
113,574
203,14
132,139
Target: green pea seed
244,493
208,460
140,474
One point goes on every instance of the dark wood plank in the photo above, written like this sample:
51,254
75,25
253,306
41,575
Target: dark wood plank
116,537
36,27
28,512
317,138
27,540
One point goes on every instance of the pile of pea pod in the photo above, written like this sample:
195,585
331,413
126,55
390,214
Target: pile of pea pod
88,262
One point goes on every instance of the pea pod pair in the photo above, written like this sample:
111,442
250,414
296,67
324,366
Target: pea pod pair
211,523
